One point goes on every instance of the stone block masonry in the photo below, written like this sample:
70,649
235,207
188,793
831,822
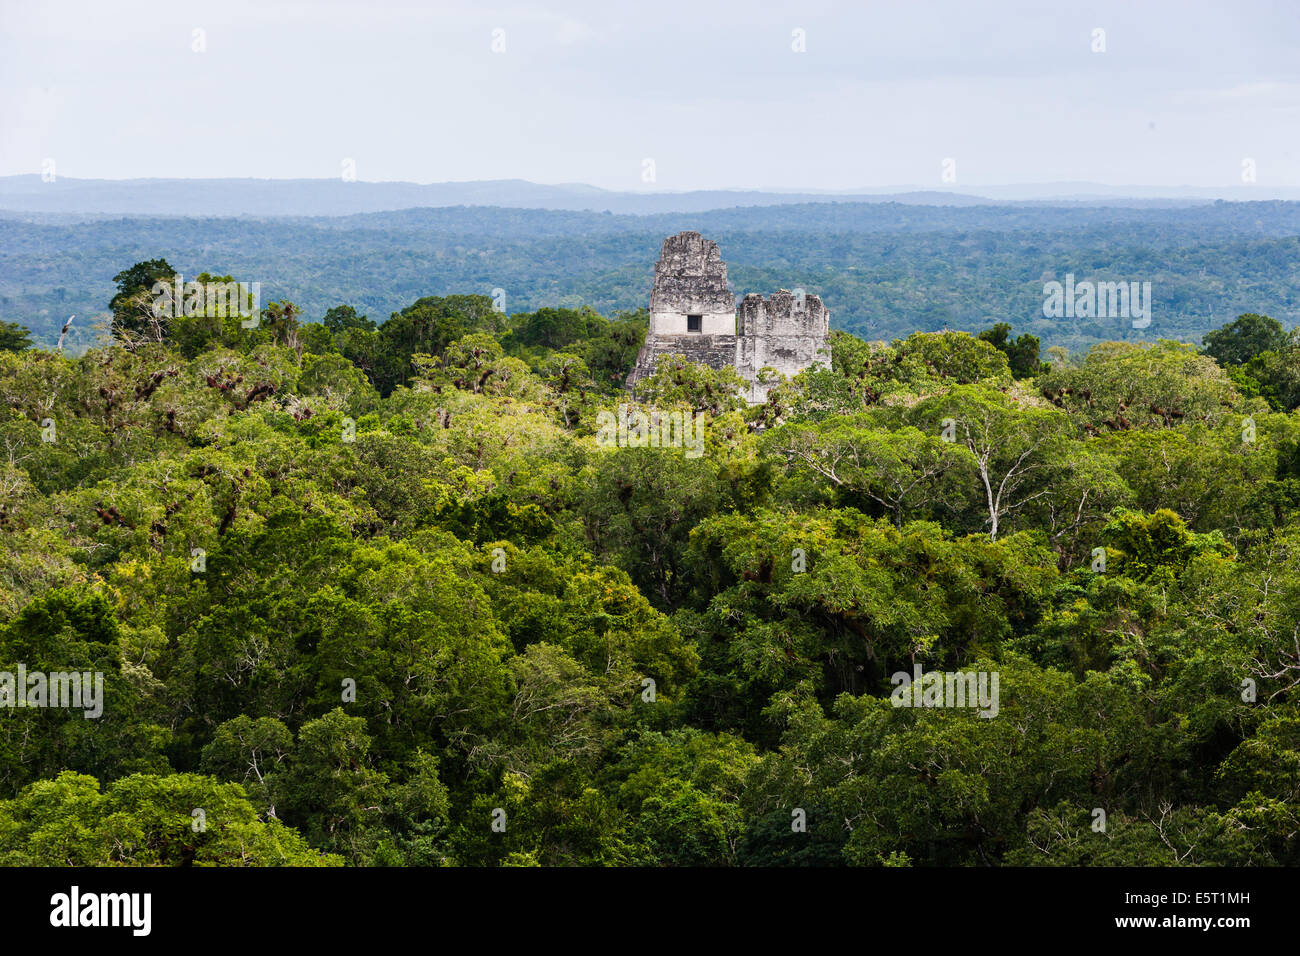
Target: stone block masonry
786,332
693,313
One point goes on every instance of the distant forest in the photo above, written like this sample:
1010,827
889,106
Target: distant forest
884,269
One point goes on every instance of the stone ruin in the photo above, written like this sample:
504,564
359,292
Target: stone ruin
693,313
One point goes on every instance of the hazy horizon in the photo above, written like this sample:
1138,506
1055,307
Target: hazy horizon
686,97
31,192
867,188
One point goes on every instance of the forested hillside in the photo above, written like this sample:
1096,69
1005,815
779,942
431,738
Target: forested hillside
382,593
883,269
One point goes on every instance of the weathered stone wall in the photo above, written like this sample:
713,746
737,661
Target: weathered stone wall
785,332
715,351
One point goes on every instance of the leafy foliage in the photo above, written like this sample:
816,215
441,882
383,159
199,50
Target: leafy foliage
379,594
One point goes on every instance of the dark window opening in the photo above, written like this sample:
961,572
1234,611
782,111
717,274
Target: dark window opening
693,323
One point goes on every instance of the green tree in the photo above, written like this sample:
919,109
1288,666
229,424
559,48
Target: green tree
134,316
1021,352
1244,338
14,337
329,789
343,317
145,820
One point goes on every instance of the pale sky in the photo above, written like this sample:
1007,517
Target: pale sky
713,93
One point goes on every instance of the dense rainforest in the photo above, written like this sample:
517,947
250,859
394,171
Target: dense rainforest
883,269
378,594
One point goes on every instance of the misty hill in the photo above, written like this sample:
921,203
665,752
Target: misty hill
333,197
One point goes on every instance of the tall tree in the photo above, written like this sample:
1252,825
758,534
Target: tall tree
1243,339
134,315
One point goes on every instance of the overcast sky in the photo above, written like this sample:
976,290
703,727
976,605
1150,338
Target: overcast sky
714,93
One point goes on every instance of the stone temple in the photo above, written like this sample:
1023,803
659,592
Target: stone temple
693,313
